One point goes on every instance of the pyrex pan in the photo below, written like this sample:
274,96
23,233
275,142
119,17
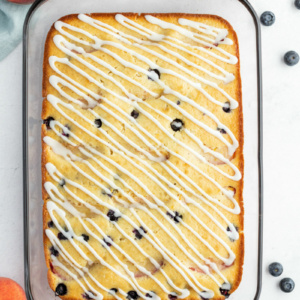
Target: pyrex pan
38,22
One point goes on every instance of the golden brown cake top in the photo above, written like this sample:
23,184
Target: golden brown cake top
142,157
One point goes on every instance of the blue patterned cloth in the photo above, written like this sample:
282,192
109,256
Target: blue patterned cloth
12,17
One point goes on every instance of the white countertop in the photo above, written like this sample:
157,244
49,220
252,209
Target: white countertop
281,154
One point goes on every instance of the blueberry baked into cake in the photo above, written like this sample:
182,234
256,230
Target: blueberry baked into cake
142,157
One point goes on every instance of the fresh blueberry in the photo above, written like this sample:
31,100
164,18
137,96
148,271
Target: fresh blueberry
135,114
53,251
65,131
62,182
85,237
178,102
297,3
112,215
132,295
226,107
108,240
47,122
177,124
267,18
287,285
151,74
113,291
61,236
224,289
61,290
223,131
139,233
291,58
172,296
275,269
175,216
50,224
98,123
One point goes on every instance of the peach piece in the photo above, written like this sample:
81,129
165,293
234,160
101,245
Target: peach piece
10,290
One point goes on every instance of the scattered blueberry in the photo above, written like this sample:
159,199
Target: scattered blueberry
61,290
47,122
177,124
112,216
178,102
297,3
228,229
267,18
175,216
106,194
65,131
85,237
135,114
132,295
113,291
139,233
108,240
287,285
50,224
205,295
224,293
53,251
153,71
62,182
172,296
98,123
150,294
224,289
275,269
226,107
223,131
291,58
87,295
61,236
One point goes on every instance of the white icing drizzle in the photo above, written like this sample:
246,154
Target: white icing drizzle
52,170
53,143
119,35
123,20
236,176
55,80
209,38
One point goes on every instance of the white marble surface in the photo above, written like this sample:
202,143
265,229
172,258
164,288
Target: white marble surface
281,154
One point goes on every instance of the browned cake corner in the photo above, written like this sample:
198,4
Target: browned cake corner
142,157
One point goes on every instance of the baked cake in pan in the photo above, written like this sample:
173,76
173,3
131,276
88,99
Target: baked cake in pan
142,158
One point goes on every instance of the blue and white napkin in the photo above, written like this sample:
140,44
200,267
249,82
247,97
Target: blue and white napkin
12,18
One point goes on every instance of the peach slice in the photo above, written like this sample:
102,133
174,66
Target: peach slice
60,273
214,160
152,269
10,290
220,265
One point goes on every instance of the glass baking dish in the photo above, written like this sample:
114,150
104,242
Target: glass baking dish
38,22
